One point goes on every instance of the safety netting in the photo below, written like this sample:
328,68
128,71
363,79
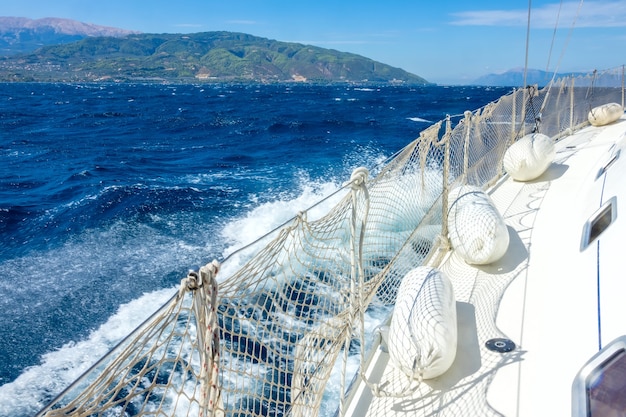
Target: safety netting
284,334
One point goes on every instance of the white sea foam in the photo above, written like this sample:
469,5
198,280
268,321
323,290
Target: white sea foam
268,216
418,119
31,390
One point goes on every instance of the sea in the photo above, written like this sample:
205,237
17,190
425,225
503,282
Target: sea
110,193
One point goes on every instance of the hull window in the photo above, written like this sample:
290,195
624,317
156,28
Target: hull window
599,222
599,389
606,387
608,165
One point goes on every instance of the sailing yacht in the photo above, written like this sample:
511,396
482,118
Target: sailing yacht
491,247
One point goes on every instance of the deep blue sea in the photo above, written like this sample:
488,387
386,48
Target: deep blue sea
110,194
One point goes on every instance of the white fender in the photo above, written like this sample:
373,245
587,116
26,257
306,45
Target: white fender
529,157
476,229
423,332
605,114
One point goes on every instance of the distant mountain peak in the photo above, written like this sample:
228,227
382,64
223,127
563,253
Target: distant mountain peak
515,77
20,34
60,26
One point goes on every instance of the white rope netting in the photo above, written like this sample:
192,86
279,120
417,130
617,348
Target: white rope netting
268,342
167,367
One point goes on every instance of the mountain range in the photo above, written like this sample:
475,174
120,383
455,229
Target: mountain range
70,51
515,78
55,49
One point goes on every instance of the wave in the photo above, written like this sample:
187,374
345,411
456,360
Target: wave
80,284
51,296
38,384
265,217
419,119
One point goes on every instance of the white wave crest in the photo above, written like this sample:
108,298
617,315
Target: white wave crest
36,385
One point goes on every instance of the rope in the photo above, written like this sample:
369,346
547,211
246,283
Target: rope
205,299
358,183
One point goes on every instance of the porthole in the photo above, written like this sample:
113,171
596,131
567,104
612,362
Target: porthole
610,162
599,222
599,389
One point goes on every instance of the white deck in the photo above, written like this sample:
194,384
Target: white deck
542,295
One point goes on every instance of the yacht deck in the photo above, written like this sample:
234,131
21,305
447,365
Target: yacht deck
542,295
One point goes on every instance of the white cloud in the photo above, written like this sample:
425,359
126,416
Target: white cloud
597,14
490,18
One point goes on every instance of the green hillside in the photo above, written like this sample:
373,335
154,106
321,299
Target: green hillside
209,56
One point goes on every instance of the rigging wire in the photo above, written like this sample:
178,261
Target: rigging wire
530,90
556,25
527,43
569,36
527,88
567,40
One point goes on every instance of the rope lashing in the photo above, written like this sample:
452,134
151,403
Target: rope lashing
358,178
205,302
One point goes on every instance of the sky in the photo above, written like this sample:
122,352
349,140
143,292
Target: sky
443,41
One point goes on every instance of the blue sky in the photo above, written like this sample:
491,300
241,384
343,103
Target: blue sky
444,41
